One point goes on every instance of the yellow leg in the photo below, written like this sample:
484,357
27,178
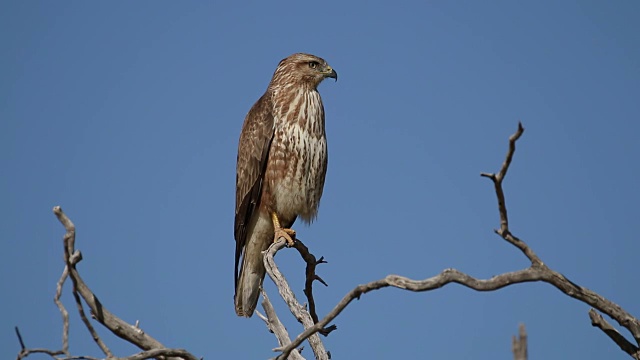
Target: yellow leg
288,234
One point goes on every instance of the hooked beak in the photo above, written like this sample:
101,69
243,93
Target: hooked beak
329,72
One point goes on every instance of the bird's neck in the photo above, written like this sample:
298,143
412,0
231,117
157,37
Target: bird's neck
301,107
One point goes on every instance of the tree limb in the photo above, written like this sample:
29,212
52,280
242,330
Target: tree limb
538,271
299,311
276,327
598,321
311,276
133,334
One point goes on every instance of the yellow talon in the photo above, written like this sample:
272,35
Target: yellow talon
288,234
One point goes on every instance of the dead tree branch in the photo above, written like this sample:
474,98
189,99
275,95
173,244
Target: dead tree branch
298,310
276,327
598,321
151,347
311,276
519,344
538,271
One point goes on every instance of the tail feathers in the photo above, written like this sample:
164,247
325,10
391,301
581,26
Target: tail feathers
248,290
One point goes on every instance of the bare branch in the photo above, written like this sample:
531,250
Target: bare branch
130,333
538,271
24,352
311,276
519,344
22,347
90,328
598,321
296,309
446,277
63,311
276,327
167,353
552,277
116,325
502,206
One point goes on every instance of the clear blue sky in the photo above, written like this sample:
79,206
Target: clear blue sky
127,114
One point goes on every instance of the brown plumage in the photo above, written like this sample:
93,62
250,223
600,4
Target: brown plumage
282,162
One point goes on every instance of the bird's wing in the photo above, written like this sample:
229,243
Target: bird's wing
253,153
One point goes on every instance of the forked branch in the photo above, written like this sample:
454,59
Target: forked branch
538,271
298,310
151,347
276,327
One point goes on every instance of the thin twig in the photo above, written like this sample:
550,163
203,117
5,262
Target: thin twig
22,347
63,310
90,328
26,352
497,179
311,276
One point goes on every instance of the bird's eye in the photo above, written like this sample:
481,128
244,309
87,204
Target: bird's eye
313,64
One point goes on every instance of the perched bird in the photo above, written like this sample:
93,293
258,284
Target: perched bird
281,167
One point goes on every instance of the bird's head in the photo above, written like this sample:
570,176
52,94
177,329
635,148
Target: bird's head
307,69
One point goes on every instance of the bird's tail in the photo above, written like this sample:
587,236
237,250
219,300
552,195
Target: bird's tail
248,289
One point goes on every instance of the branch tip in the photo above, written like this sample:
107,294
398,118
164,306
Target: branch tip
598,321
20,338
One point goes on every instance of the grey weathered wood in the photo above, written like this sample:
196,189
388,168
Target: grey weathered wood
519,344
298,310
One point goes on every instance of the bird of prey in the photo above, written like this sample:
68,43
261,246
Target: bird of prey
281,167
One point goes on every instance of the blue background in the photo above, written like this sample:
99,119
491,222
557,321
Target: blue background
127,114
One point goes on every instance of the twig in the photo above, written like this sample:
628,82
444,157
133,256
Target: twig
502,206
24,352
87,324
63,311
22,347
299,311
311,276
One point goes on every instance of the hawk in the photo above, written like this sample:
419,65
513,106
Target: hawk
281,167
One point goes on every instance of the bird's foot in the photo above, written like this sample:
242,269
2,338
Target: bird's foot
288,234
